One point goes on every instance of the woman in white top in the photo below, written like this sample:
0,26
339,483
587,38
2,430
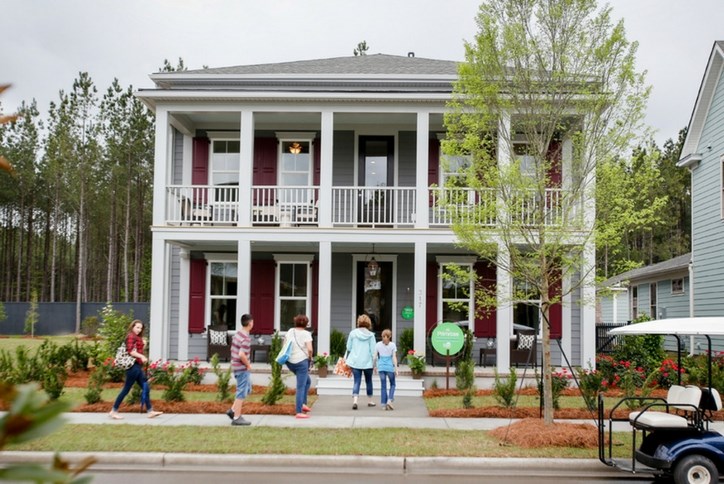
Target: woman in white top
300,360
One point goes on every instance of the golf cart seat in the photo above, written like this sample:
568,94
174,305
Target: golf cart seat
710,403
684,399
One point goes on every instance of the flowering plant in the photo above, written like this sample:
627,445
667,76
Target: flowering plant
321,361
416,361
175,379
667,375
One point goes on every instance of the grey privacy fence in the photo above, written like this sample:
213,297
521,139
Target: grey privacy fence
59,318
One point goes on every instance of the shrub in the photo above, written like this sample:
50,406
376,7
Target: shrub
275,390
668,373
468,397
80,355
97,379
3,314
504,390
697,371
644,351
223,377
89,326
407,341
465,374
559,382
174,379
590,382
53,360
113,328
337,345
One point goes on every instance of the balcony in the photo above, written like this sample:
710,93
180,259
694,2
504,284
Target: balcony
364,207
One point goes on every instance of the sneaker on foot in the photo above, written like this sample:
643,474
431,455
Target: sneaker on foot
354,406
302,415
240,421
306,409
371,404
389,406
230,414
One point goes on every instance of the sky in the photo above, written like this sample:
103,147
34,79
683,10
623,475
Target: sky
46,43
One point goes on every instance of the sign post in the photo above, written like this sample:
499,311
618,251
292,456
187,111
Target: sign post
447,339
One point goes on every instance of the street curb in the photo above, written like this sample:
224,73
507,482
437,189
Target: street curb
282,463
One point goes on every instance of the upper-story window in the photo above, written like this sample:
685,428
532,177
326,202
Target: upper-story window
224,166
522,152
452,169
677,286
295,166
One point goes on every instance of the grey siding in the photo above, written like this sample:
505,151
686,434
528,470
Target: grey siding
405,284
575,356
178,157
341,311
708,228
174,298
343,153
406,168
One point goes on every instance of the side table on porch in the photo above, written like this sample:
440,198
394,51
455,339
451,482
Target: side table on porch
484,353
261,348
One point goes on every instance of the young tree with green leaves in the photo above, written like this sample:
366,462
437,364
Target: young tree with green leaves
548,91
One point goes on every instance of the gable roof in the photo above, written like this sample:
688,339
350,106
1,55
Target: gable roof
703,102
672,265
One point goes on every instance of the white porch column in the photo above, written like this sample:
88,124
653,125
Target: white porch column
588,307
326,161
504,314
183,304
421,168
246,170
324,314
158,317
420,303
243,281
161,169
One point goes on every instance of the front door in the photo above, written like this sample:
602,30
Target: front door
374,295
376,174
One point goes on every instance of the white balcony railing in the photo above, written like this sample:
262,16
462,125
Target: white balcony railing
207,205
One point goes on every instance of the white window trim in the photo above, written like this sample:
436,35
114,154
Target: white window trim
468,261
291,259
221,136
217,258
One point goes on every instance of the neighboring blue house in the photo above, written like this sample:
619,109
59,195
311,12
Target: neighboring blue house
660,290
703,155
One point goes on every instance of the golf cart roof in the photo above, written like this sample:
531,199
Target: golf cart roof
675,326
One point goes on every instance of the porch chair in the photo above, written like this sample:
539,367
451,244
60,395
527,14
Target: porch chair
523,349
219,342
192,212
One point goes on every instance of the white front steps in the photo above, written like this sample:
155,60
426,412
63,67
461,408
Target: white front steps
339,385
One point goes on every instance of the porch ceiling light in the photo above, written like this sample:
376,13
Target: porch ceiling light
295,148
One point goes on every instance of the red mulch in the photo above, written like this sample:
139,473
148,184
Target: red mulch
534,433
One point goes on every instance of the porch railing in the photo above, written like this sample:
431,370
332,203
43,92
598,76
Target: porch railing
207,205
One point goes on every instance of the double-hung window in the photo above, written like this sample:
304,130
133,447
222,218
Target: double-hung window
296,168
457,291
293,294
222,285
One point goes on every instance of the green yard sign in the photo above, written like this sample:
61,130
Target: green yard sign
447,337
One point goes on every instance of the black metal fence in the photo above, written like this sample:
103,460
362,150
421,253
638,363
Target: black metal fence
606,343
59,318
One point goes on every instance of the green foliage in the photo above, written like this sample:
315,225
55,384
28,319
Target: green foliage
3,314
559,382
53,360
407,341
590,382
504,389
337,344
223,378
174,379
321,360
31,317
29,417
89,326
97,379
416,361
646,351
465,374
468,397
276,388
81,354
113,328
697,371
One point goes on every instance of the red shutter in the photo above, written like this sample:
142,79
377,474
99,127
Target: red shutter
554,171
431,301
265,163
197,296
263,273
555,312
317,160
485,322
315,294
433,165
200,162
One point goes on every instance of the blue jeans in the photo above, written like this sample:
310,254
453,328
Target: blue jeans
384,375
301,370
357,374
135,374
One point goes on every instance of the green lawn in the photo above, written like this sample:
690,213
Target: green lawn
9,343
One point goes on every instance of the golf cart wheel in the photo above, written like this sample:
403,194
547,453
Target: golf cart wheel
695,469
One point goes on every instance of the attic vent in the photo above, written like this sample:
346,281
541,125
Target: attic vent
410,54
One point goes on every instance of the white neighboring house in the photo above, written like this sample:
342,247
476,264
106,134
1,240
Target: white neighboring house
314,187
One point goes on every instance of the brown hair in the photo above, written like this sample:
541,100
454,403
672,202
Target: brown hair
387,333
300,321
363,321
133,323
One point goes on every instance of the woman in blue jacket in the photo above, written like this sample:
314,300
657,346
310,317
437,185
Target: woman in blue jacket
360,357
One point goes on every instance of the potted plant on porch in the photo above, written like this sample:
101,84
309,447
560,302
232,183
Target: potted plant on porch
416,362
321,362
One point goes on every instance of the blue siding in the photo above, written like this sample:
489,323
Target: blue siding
708,228
673,305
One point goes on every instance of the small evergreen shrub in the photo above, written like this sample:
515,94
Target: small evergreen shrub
97,379
504,389
276,388
223,379
407,341
89,326
337,345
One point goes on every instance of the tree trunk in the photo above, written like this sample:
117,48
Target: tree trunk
81,258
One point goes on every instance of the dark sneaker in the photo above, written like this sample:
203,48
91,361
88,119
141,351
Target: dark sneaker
354,406
240,421
230,414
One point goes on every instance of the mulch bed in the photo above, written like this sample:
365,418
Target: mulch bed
534,433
